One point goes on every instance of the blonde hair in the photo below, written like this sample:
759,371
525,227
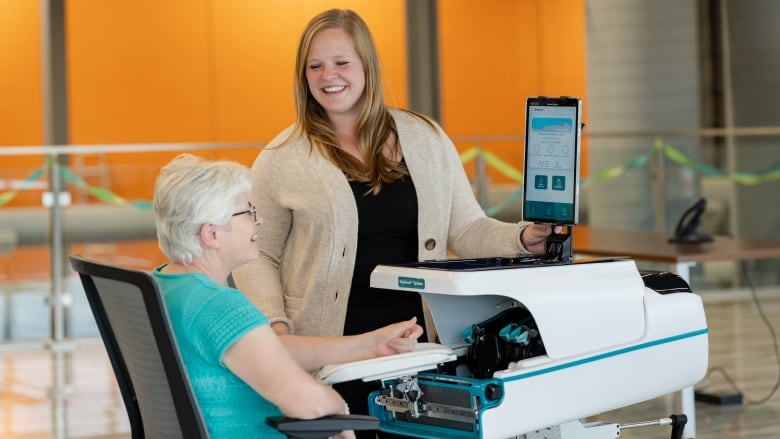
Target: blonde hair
375,127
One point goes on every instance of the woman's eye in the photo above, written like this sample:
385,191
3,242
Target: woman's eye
342,63
314,67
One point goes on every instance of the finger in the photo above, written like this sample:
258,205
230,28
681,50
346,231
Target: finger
414,332
401,345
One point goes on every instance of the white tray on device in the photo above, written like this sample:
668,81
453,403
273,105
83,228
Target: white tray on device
425,356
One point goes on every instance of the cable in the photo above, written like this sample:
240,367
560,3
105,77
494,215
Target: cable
765,319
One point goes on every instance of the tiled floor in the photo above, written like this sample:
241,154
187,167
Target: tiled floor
88,406
740,342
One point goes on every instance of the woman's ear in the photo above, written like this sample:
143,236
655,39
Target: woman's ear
209,235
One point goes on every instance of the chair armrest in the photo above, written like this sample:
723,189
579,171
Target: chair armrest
321,428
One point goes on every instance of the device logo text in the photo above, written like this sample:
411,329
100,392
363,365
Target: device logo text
411,282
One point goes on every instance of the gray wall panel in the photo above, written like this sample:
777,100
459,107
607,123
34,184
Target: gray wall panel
755,68
643,75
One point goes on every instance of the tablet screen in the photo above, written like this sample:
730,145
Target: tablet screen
552,160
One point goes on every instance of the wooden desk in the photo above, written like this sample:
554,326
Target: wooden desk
655,247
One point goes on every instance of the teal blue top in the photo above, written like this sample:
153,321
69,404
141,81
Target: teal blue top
207,318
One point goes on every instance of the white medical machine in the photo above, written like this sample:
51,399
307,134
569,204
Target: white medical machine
528,348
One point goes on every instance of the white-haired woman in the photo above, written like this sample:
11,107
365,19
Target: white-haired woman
240,370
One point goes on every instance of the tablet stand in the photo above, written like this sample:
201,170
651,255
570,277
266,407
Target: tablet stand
557,248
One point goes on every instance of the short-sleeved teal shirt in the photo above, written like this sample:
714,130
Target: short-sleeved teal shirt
207,318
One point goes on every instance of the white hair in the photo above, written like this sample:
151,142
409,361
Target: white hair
190,192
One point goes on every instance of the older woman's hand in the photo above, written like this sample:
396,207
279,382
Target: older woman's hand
534,235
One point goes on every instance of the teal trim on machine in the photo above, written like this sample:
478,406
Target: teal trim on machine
609,354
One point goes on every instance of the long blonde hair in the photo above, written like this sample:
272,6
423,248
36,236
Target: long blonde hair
375,127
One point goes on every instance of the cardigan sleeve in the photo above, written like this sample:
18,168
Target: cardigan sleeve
472,234
260,279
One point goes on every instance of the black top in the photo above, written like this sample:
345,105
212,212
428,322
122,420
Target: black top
387,234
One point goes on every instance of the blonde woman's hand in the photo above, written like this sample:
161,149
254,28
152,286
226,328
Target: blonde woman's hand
534,235
397,338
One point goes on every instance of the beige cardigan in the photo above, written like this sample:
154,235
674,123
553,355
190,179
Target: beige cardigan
308,237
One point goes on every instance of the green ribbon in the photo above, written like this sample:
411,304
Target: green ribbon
100,193
617,171
68,176
503,167
673,154
36,175
514,196
744,178
659,146
469,155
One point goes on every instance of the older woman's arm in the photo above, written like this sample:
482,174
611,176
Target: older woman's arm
314,352
261,360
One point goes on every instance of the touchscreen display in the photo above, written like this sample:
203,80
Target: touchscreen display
552,160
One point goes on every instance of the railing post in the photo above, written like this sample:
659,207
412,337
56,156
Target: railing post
58,302
482,178
658,176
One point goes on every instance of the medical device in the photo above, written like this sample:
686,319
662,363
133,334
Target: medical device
558,342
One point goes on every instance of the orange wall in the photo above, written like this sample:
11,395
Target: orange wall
21,104
21,118
196,71
496,54
221,71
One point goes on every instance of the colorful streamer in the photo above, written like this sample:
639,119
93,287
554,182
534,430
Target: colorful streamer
673,154
7,196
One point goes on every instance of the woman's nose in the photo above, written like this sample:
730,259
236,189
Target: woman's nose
328,71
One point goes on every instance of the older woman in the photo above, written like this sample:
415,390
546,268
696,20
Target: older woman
240,370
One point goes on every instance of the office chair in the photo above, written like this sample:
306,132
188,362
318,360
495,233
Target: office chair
160,403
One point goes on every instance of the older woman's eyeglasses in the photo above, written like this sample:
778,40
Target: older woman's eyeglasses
251,211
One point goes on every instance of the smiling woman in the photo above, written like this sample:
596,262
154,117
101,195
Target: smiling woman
354,183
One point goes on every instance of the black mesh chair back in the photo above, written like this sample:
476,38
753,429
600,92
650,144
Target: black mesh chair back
131,317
